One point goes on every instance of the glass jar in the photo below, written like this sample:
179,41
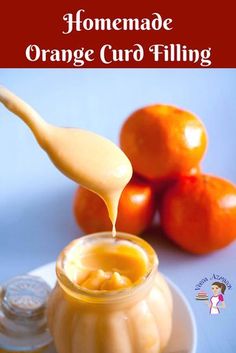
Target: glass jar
137,319
23,322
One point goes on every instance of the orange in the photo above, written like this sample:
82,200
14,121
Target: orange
163,141
161,185
135,213
199,213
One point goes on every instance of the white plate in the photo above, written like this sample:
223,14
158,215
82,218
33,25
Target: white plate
184,333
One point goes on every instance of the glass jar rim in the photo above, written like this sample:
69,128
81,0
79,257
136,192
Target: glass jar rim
98,296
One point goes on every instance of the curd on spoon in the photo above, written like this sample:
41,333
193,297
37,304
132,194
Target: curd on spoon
85,157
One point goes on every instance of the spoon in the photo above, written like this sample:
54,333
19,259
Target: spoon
85,157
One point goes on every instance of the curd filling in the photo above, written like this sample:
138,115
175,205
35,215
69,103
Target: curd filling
106,265
85,157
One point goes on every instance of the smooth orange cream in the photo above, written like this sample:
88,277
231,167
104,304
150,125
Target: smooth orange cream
106,265
91,310
85,157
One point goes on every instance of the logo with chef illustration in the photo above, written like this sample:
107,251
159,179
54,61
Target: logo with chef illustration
212,291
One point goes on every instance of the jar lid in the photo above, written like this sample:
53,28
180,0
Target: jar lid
23,302
25,296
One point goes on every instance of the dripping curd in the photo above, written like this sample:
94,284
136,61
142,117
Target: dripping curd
85,157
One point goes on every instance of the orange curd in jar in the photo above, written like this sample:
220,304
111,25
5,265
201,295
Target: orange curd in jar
109,298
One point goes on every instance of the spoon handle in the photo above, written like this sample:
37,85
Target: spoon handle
25,112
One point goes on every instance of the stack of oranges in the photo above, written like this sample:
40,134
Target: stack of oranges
165,145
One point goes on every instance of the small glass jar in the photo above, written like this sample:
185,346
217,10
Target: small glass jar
137,319
23,322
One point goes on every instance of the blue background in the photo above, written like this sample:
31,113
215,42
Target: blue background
36,221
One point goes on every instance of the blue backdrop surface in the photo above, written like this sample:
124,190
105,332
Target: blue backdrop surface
36,221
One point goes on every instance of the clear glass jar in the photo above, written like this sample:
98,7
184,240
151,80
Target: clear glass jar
23,322
137,319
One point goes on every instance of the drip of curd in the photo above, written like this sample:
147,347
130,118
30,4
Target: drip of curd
106,265
83,156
